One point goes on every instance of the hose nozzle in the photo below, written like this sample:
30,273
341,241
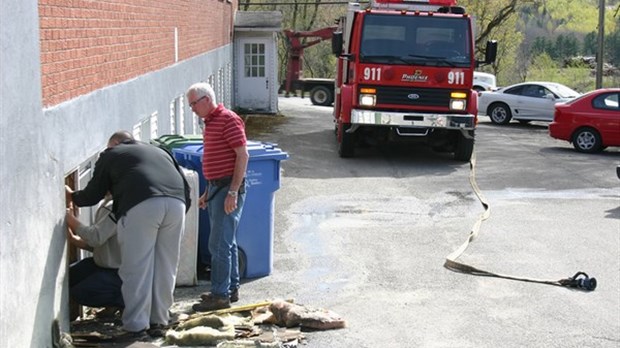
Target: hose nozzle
580,281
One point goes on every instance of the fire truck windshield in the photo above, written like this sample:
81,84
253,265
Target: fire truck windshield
420,40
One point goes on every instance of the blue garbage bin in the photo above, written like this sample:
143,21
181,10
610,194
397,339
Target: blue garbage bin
255,232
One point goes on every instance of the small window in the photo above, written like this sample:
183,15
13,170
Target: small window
535,91
254,59
606,101
515,90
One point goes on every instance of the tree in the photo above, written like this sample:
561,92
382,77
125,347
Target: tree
589,44
541,67
541,45
498,20
490,17
556,16
612,44
565,46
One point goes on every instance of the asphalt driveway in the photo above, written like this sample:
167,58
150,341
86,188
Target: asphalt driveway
367,238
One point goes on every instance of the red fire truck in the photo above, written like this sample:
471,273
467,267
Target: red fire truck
405,73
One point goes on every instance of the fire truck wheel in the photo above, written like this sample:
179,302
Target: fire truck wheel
321,95
346,141
464,147
499,113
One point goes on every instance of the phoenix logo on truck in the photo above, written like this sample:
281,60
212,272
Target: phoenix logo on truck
416,77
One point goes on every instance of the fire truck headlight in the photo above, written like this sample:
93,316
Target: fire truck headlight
458,104
368,99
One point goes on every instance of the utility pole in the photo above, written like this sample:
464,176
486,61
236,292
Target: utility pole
601,44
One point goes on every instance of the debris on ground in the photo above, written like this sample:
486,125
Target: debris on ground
265,324
201,336
268,324
290,314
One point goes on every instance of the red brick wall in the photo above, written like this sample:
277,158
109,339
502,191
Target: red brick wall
87,45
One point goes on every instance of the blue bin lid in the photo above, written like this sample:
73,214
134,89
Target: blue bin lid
257,150
189,149
263,150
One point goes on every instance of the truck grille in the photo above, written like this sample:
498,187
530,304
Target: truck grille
413,96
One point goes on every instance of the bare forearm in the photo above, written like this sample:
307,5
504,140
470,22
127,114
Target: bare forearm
241,166
80,243
72,225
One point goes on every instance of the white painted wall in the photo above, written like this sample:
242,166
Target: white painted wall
39,147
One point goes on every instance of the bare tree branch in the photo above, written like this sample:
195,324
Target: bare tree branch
500,18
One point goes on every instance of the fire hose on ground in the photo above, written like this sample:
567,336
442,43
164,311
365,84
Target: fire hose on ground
580,280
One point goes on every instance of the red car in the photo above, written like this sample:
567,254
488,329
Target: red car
591,122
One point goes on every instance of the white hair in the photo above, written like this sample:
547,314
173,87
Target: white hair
202,89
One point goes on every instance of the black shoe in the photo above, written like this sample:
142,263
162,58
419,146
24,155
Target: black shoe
211,303
233,294
109,313
157,330
132,336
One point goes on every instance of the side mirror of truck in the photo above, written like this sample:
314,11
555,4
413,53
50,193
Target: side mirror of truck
490,54
337,43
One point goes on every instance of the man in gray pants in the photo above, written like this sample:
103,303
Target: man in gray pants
151,197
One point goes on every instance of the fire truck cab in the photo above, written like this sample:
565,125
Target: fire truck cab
405,73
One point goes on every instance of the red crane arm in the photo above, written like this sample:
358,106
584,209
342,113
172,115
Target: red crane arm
296,48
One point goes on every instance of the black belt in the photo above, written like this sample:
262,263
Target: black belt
223,181
226,181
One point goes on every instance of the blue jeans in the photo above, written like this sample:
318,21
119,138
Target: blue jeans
223,241
94,286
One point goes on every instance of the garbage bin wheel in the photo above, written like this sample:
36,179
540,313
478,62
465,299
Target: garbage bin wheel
242,263
204,271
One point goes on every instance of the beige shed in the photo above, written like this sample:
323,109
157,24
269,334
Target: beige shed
256,60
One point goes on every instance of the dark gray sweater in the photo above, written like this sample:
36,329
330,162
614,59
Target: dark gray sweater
133,172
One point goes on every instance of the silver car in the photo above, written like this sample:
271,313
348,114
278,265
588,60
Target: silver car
524,102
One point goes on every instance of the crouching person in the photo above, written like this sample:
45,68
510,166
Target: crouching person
94,281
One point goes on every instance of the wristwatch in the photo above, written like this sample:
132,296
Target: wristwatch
232,193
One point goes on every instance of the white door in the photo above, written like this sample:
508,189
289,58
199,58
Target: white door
255,74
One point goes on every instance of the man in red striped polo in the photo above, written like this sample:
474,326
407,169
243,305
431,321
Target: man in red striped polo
224,164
